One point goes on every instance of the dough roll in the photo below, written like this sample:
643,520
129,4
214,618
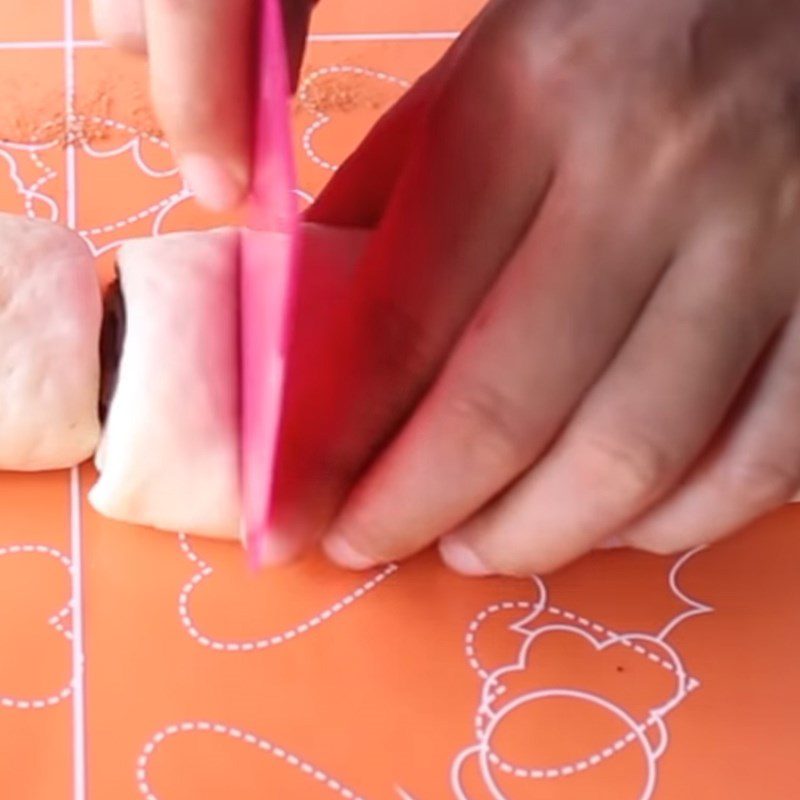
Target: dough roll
50,316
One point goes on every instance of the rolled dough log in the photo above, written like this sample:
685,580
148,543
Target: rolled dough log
50,315
169,452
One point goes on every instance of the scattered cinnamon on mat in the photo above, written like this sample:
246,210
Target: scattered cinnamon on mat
346,92
43,119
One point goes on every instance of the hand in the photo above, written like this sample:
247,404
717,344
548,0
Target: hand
201,57
579,317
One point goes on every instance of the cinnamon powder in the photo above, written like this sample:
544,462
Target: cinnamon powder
36,118
345,92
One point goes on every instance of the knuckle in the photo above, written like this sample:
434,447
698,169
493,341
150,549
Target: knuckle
762,484
490,423
401,342
636,468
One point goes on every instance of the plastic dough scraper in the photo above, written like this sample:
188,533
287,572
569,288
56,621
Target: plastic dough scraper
268,263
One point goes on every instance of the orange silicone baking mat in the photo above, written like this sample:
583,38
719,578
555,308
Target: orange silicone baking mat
139,665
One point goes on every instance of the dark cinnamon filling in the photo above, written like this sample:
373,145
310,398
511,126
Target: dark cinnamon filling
112,336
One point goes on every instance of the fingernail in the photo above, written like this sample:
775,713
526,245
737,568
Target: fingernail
280,550
461,557
341,552
610,543
121,24
214,186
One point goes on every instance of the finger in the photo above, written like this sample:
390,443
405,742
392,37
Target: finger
459,206
646,420
326,262
120,23
358,193
201,57
534,347
755,469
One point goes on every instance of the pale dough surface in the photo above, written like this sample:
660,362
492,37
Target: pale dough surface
50,315
168,455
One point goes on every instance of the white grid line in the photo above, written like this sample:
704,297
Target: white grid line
78,659
377,36
52,44
76,521
392,36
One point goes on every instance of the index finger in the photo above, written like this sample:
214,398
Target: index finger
201,57
120,23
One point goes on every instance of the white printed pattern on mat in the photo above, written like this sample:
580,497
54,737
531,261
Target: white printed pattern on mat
322,119
205,570
33,191
532,627
132,147
251,739
56,621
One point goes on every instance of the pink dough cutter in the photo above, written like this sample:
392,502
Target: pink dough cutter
268,268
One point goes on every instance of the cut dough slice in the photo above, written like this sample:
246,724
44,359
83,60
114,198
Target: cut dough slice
50,315
169,452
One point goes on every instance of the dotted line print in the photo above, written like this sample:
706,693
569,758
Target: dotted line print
563,771
596,627
137,136
48,173
483,751
111,227
66,691
251,739
322,119
655,718
29,193
133,145
57,621
206,570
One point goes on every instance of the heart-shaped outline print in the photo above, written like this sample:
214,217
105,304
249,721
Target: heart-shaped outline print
56,621
251,739
133,147
321,119
31,192
205,570
530,628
